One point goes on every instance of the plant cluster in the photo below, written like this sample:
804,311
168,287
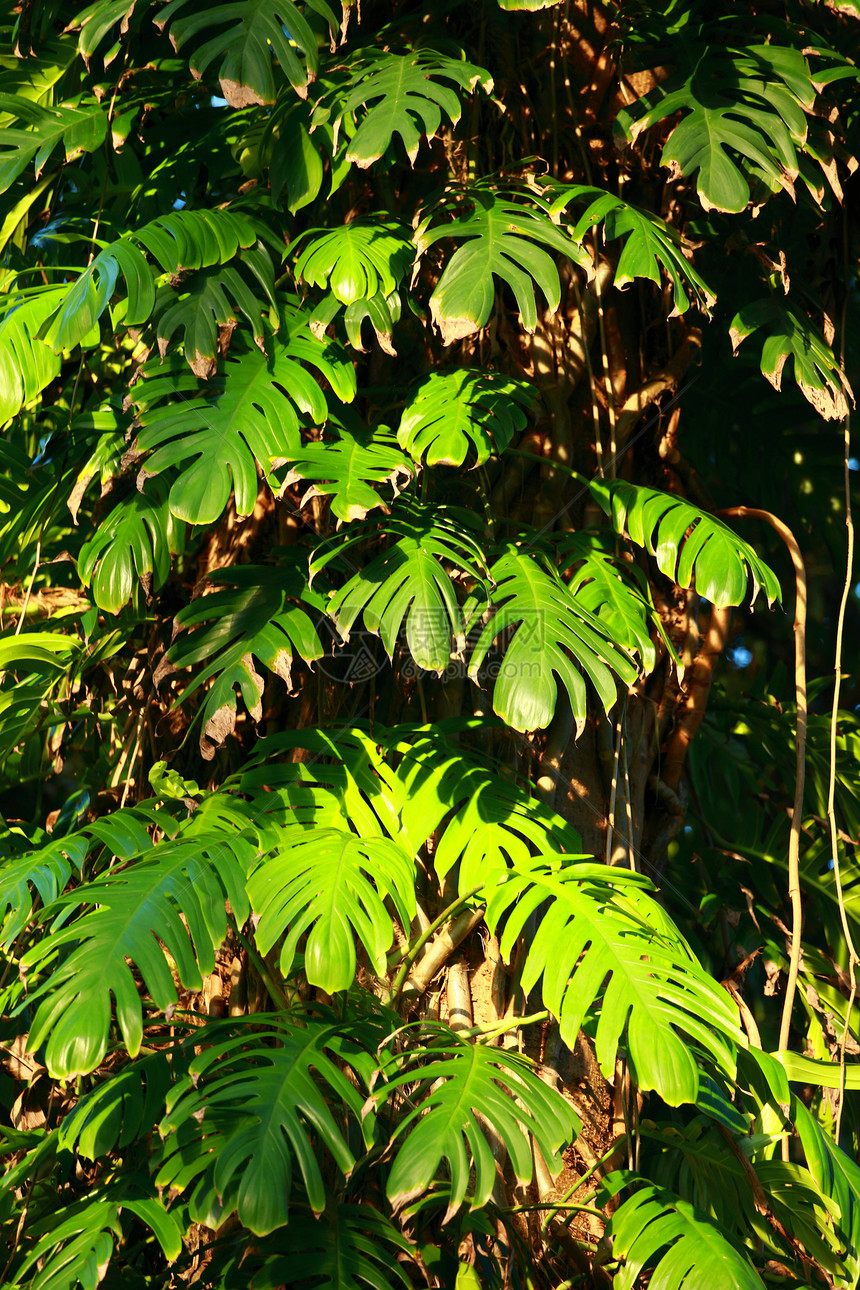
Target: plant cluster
411,873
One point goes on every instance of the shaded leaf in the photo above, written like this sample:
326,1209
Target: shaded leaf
247,417
387,94
652,247
258,614
455,1079
79,125
257,30
358,261
136,540
258,1099
791,336
349,469
407,586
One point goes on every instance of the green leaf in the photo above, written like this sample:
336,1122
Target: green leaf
357,261
745,119
249,418
601,942
177,895
96,21
80,126
502,231
293,157
653,248
823,1074
349,469
122,1109
790,335
651,1220
203,313
451,1081
722,564
45,649
486,821
259,614
43,873
332,885
352,1247
407,586
27,364
836,1176
138,538
261,1096
554,640
615,592
180,240
77,1246
387,94
258,29
449,415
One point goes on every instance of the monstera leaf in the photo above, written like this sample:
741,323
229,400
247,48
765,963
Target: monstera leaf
80,126
453,1080
652,247
180,240
358,261
177,895
121,1109
486,820
257,30
506,235
259,615
332,885
837,1177
248,418
349,469
205,316
407,586
410,783
554,640
294,159
791,336
602,944
138,538
688,543
616,593
27,364
450,414
265,1095
653,1218
744,119
387,94
79,1239
45,871
353,1247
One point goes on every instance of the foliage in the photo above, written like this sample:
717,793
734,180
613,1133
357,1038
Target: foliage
397,759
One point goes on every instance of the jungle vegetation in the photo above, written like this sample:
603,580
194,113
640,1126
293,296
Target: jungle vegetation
429,795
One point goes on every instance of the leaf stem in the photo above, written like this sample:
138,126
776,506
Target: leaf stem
275,990
414,950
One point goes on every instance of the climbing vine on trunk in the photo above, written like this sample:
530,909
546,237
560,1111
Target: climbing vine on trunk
417,867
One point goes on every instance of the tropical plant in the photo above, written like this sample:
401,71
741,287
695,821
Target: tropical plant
423,860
